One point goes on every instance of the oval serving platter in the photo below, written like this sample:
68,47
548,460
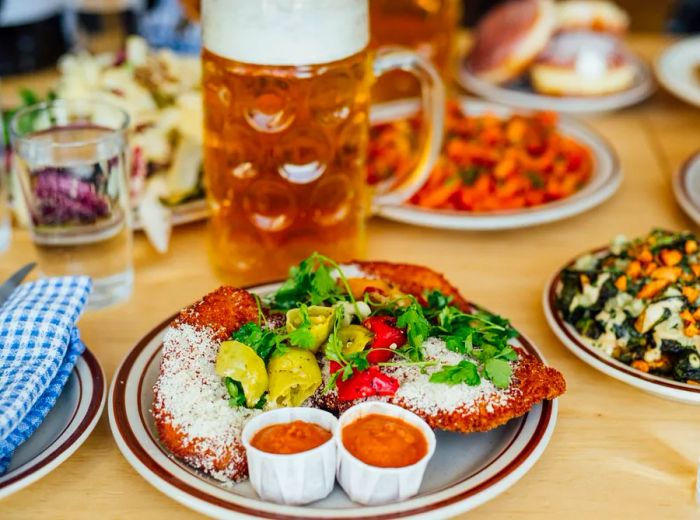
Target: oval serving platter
523,96
466,471
606,179
66,427
573,341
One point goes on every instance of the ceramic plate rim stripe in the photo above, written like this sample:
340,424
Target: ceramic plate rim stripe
139,455
165,452
611,367
608,177
33,470
681,190
546,423
643,88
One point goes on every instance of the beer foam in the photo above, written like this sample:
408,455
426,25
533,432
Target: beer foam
285,32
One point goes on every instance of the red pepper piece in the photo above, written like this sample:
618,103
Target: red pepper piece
364,384
386,333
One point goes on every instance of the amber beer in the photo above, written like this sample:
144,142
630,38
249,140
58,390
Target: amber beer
426,26
286,86
191,9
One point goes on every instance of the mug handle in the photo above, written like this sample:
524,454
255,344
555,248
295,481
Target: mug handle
433,110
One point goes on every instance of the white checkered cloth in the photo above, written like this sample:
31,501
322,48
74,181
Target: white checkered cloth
39,345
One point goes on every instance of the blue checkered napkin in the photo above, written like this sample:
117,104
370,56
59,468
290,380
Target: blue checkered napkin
39,345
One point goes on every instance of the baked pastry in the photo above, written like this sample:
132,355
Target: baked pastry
583,63
330,336
509,38
594,15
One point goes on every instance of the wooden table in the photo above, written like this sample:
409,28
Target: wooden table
615,451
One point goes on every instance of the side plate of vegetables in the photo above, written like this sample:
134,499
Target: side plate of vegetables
632,311
499,168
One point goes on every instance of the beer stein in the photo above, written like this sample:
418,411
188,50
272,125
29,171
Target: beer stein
286,89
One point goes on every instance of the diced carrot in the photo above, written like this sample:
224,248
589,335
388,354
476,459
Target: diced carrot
621,283
671,257
652,289
686,315
696,269
634,269
691,330
691,246
438,196
584,280
691,293
696,314
645,255
650,268
640,365
667,273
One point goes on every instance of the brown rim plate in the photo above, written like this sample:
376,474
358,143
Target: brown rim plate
466,471
572,340
66,427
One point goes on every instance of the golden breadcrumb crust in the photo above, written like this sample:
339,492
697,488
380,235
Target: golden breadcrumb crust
227,309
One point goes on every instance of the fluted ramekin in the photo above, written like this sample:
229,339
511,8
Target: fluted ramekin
372,485
297,478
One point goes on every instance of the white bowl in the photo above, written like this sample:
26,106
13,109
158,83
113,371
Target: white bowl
297,478
370,485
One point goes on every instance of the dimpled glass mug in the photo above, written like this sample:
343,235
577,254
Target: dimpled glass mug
286,87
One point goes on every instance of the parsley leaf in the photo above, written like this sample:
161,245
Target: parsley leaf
437,300
235,391
417,330
264,342
311,282
463,372
302,336
323,285
498,371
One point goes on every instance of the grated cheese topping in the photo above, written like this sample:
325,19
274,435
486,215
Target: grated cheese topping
190,394
417,391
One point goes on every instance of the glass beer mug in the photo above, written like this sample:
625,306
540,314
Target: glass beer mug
425,26
286,87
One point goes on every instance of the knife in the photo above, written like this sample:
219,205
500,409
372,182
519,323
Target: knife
9,286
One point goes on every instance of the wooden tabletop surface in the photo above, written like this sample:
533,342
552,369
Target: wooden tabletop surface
615,450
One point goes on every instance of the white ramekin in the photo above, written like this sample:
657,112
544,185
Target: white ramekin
297,478
370,485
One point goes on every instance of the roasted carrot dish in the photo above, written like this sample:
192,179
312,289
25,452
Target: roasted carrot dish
488,163
639,302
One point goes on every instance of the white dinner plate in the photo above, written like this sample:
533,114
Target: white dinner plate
522,95
186,213
465,472
686,187
677,69
572,340
65,428
604,182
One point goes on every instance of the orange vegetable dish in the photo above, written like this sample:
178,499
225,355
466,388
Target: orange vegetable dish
488,163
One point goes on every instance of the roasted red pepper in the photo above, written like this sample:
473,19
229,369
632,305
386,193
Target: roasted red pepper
386,333
364,384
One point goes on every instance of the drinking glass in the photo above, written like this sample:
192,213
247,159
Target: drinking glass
425,26
5,227
286,88
71,159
